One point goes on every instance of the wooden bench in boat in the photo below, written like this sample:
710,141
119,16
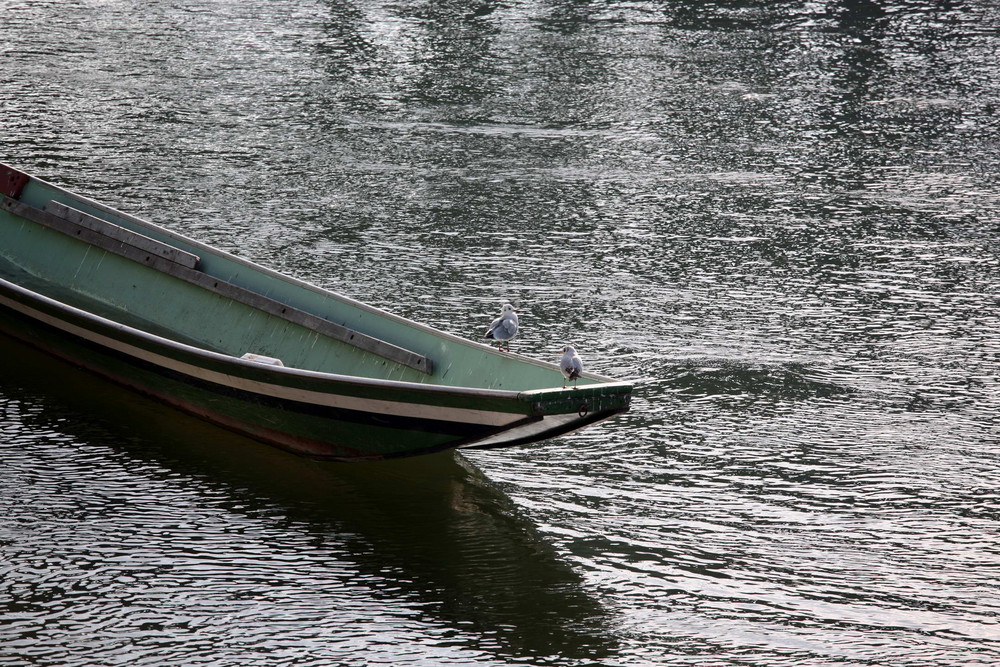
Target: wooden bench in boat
184,266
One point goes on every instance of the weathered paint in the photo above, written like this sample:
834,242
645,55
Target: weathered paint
170,337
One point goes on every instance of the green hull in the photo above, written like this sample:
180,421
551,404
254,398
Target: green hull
171,318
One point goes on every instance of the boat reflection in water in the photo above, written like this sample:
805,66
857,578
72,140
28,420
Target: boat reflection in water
430,533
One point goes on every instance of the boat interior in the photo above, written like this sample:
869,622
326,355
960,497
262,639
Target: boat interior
121,268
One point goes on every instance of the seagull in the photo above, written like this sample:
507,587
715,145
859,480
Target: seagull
571,365
503,328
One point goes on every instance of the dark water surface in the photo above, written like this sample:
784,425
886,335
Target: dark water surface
781,218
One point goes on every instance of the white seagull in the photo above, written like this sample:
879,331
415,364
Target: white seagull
503,328
571,365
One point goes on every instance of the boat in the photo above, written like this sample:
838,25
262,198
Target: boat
261,353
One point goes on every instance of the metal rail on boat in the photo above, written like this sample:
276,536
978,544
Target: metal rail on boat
183,265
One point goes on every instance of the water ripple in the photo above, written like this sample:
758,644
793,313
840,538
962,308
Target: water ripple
779,219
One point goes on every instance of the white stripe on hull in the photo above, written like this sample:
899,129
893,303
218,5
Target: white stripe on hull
376,406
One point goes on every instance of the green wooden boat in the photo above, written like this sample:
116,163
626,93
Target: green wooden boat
258,352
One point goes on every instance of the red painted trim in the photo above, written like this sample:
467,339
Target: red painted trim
12,181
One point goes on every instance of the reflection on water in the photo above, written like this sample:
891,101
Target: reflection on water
179,509
779,217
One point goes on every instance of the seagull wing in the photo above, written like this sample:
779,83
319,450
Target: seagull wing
566,365
508,325
571,365
493,327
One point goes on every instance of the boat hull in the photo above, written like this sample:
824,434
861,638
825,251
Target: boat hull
354,421
315,413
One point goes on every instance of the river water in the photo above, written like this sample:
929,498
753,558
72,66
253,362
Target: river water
779,218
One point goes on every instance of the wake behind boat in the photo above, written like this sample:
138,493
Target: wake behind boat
259,352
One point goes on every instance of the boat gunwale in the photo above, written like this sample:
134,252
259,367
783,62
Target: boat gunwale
346,300
279,371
